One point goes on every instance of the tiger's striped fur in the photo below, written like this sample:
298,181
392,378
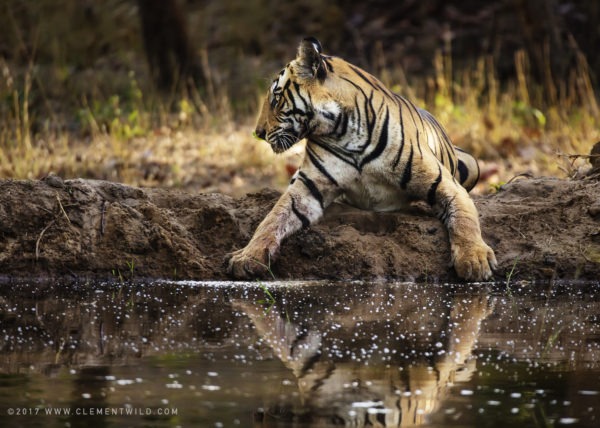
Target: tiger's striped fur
367,146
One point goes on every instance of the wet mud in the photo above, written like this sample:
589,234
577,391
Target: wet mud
540,228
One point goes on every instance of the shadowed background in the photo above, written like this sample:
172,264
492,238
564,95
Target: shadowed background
164,93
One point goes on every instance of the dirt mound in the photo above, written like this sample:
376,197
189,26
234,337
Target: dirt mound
86,229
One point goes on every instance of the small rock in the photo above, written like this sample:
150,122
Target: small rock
54,181
594,209
549,259
431,230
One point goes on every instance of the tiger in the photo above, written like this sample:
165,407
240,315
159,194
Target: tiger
365,146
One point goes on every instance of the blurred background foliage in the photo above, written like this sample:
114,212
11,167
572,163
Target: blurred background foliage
164,93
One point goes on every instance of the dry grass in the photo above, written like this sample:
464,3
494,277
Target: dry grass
75,100
227,159
111,127
510,127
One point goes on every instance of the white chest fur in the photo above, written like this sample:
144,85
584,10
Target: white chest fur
372,192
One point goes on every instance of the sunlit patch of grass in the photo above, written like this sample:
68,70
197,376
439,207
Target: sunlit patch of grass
138,138
512,127
189,158
116,112
513,124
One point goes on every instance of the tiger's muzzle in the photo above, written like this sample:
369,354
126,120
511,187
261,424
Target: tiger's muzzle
260,132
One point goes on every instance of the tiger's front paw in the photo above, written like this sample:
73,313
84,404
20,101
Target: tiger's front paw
473,261
247,264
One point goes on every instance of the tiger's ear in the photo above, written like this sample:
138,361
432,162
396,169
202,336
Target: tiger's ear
309,62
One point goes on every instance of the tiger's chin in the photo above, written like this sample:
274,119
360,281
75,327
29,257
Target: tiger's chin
283,140
282,146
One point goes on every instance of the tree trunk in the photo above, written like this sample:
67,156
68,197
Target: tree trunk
168,48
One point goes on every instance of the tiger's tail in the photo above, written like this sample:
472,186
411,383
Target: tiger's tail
467,172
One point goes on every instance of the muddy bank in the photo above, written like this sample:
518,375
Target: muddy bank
84,229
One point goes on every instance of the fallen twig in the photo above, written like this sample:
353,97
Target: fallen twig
523,174
511,227
62,209
577,156
103,218
37,243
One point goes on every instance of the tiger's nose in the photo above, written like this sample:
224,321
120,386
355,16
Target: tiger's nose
260,132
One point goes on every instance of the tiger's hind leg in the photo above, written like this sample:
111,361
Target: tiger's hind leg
472,258
467,171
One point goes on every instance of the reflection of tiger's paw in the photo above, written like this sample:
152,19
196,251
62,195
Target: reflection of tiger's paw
246,264
474,261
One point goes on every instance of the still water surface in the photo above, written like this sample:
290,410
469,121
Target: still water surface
299,355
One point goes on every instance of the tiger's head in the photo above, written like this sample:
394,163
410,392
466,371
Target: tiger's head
299,103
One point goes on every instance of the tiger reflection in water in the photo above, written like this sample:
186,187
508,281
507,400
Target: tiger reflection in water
349,375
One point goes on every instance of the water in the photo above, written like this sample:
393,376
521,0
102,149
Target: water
299,355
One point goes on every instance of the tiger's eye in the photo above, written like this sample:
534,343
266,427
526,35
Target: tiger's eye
275,100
